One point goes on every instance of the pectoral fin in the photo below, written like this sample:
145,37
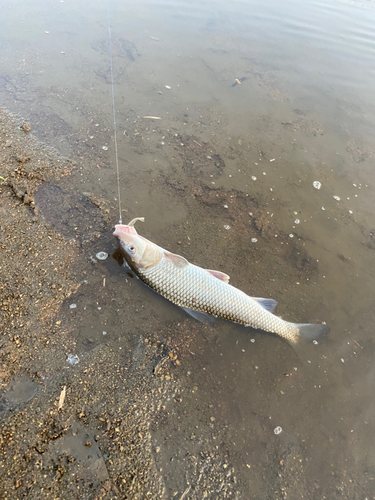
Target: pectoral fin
268,304
200,316
177,260
219,275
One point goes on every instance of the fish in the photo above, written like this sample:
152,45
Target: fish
204,293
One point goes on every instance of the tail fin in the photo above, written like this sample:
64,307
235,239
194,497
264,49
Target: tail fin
312,331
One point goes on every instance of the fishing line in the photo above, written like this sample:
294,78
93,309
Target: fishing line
114,111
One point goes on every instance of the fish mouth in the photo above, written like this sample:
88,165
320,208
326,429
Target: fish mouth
121,229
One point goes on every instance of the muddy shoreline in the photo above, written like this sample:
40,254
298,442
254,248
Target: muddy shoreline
42,446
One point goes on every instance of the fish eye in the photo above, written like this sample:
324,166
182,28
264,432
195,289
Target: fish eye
131,249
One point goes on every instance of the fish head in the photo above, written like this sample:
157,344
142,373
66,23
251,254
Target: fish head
138,252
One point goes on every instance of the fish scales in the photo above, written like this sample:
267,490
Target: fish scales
193,287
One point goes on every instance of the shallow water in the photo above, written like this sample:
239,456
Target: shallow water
301,110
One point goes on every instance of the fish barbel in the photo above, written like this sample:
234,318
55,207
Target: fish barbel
201,291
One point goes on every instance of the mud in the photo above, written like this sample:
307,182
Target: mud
43,447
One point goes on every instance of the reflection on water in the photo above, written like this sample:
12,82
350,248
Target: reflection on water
256,101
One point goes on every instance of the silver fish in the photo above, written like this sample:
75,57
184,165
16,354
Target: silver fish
204,292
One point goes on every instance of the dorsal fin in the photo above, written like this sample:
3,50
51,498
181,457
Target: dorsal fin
177,260
268,304
219,275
